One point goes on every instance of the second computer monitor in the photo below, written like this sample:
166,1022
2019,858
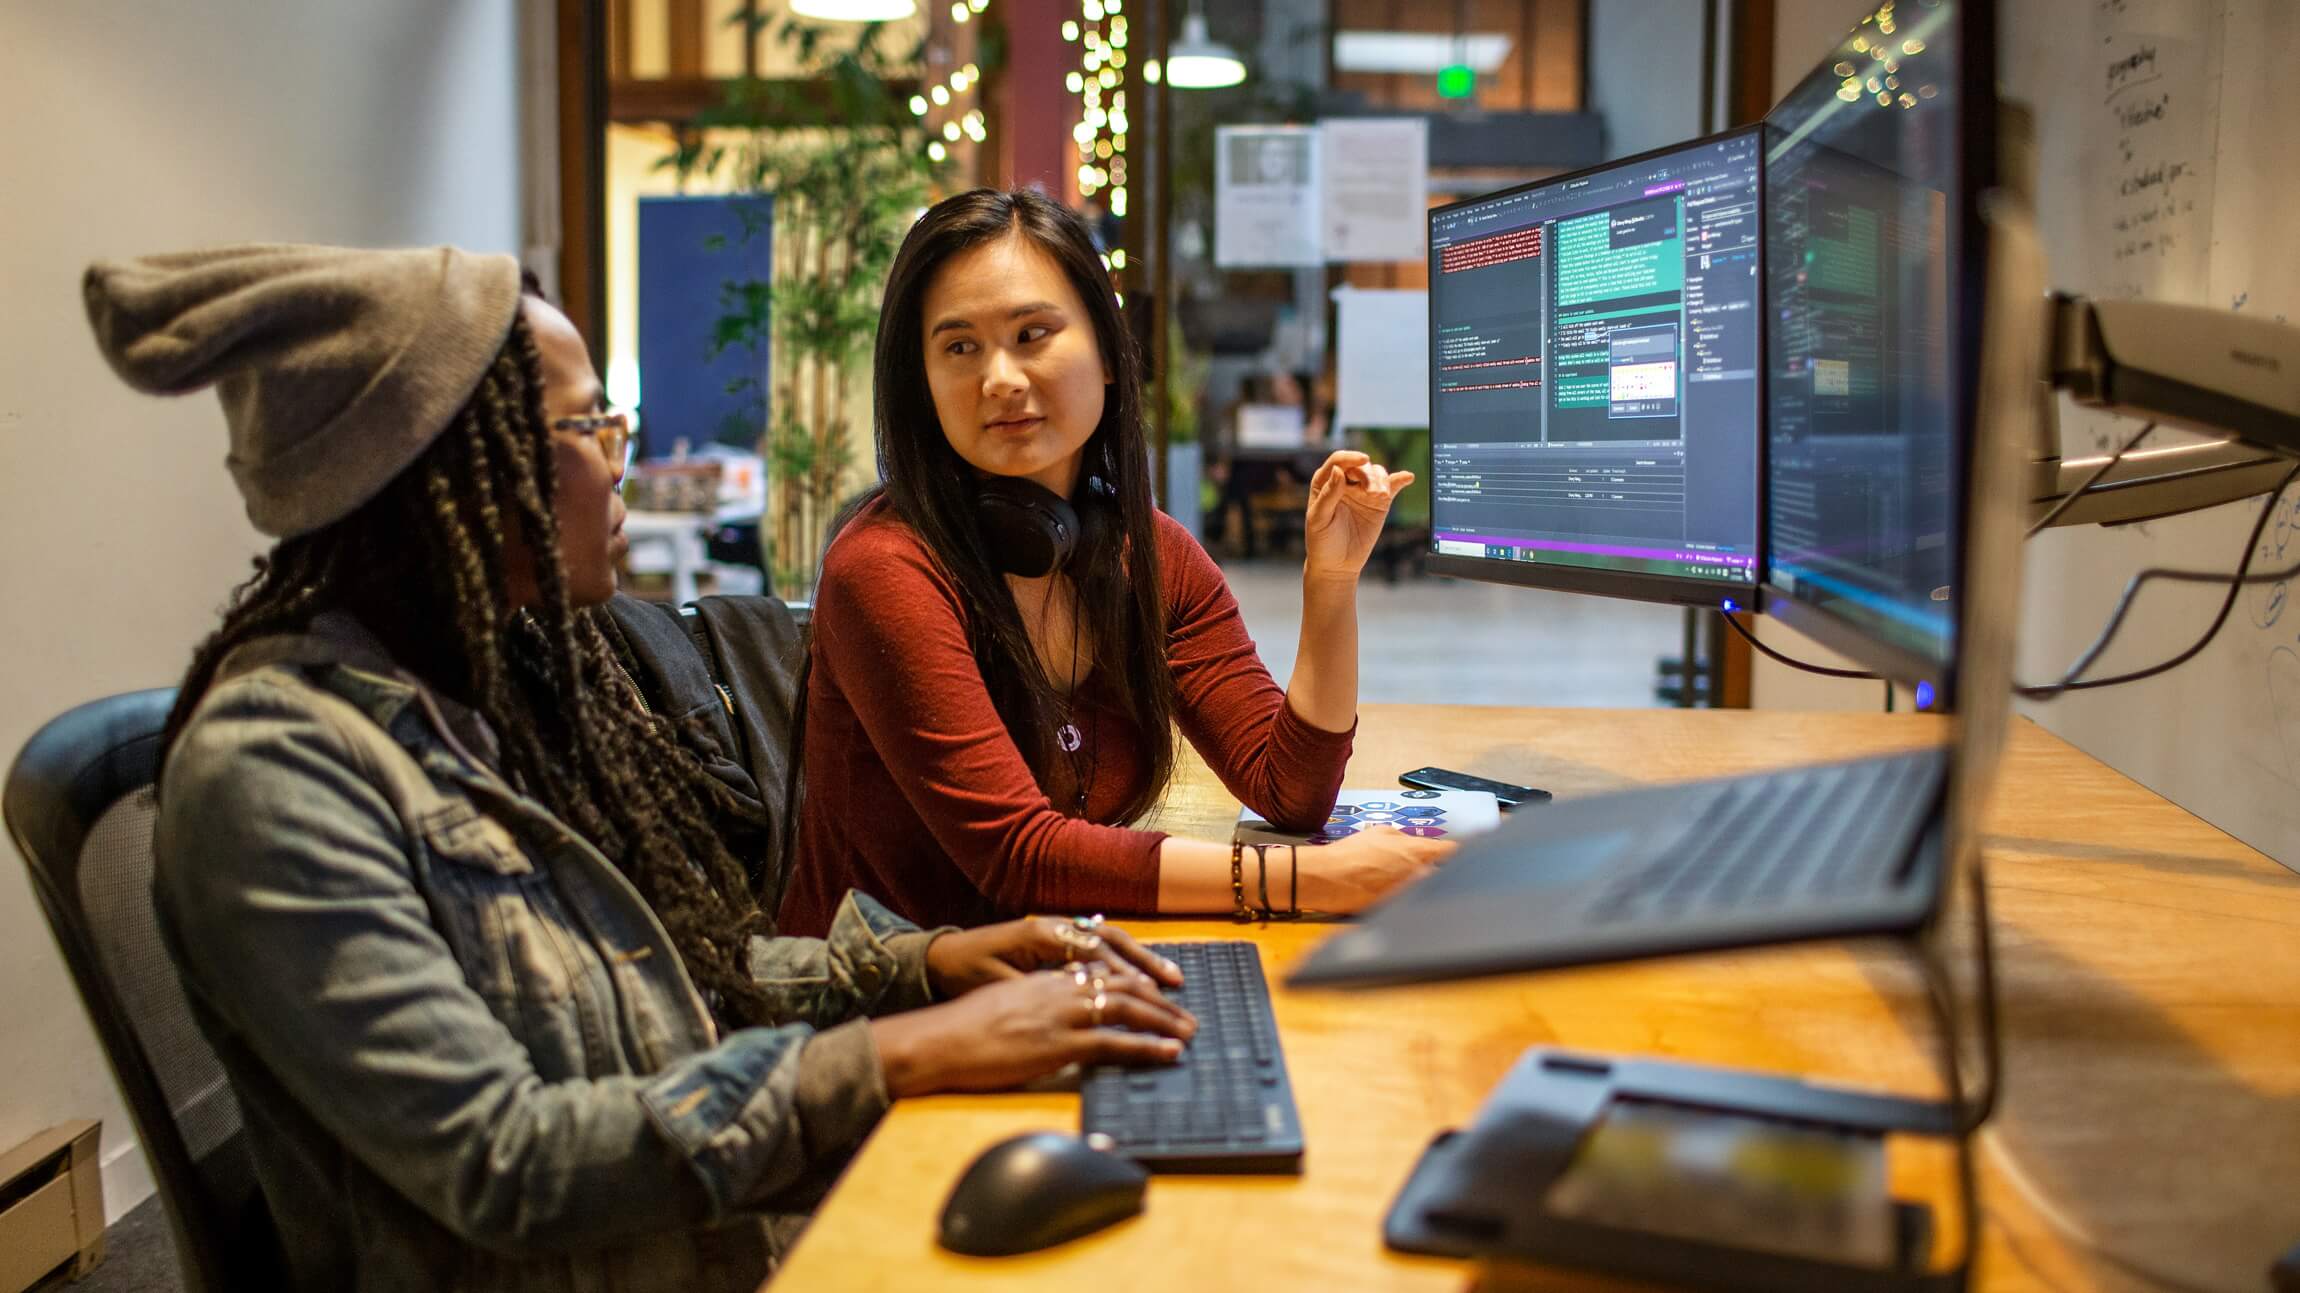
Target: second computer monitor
1875,165
1595,378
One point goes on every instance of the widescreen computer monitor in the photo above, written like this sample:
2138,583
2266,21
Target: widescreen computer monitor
1595,383
1873,170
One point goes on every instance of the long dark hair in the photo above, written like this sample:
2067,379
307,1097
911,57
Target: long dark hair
1115,569
422,566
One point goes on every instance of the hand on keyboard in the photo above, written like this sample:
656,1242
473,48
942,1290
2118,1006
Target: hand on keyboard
1013,1032
961,961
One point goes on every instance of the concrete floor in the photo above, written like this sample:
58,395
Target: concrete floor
139,1257
1447,641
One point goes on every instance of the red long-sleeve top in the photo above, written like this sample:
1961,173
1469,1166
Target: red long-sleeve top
917,795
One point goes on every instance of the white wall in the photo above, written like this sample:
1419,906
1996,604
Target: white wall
144,126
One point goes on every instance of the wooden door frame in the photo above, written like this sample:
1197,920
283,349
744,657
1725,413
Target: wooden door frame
582,63
1748,96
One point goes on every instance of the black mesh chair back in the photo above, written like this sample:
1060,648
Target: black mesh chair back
79,805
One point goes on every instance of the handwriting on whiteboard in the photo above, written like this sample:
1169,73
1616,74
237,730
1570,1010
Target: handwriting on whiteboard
2141,109
2135,68
2151,172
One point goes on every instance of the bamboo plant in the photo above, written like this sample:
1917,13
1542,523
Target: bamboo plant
845,163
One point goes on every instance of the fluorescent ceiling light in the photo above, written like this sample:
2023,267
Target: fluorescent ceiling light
1418,51
1198,62
854,10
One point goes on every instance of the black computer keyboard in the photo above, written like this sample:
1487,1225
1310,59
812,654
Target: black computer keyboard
1226,1105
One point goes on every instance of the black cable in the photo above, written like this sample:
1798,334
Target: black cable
1770,654
1966,1112
1980,1090
2068,500
2236,582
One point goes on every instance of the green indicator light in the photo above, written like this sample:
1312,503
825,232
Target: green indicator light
1457,82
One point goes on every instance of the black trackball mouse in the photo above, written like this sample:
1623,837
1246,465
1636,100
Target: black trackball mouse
1034,1191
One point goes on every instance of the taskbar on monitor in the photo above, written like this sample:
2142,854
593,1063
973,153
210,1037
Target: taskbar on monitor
1682,563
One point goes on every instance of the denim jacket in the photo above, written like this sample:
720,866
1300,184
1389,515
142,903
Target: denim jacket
466,1053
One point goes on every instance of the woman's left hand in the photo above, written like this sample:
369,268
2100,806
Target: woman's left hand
1349,499
966,959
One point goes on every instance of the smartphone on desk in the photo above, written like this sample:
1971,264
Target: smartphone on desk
1509,796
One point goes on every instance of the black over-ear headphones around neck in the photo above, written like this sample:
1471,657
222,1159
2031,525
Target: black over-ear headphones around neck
1029,529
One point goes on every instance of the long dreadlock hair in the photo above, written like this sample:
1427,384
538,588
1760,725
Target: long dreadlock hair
422,565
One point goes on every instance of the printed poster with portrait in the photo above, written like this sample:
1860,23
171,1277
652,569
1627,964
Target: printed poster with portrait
1266,197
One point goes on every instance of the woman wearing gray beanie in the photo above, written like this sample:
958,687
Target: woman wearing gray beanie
497,1007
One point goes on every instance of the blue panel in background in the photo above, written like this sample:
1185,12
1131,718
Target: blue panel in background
690,250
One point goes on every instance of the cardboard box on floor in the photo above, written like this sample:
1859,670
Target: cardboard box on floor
51,1205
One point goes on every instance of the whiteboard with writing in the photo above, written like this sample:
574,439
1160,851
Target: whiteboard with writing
2165,133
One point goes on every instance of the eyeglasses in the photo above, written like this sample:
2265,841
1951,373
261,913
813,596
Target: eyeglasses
612,427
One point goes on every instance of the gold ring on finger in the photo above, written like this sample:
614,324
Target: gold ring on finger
1079,975
1099,1003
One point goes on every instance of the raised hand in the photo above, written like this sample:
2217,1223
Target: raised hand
1350,496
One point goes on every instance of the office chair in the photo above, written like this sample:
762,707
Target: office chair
79,805
730,674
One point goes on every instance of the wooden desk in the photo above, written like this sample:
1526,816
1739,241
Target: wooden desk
2151,987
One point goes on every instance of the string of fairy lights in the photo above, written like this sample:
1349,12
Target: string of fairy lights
945,106
946,99
1881,74
1101,129
1099,32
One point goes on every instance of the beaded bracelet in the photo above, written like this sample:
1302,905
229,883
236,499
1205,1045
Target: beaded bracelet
1240,912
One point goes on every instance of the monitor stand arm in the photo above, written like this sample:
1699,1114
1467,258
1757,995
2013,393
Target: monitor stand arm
2232,376
2225,374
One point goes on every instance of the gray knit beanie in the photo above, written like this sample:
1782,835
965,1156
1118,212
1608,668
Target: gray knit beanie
337,366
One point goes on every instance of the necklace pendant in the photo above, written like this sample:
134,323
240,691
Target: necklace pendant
1068,737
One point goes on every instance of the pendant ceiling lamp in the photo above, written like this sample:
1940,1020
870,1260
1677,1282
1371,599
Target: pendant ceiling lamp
1198,62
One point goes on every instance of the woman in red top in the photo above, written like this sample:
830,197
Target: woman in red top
983,706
